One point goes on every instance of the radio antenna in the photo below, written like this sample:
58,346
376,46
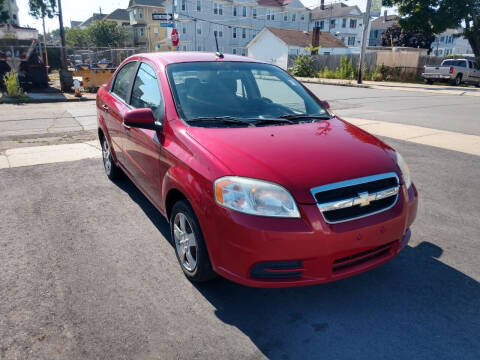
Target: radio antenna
219,54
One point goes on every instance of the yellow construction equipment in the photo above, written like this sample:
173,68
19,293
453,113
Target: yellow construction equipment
92,79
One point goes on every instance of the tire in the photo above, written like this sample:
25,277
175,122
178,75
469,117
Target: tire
111,169
428,82
458,80
189,245
478,85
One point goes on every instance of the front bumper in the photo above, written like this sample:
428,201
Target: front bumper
248,249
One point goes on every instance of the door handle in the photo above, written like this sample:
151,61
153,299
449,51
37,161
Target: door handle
105,107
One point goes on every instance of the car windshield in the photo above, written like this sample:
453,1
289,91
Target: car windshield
240,94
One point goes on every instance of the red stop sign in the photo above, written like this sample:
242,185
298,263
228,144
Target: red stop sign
174,36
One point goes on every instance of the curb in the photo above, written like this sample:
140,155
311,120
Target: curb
9,100
320,81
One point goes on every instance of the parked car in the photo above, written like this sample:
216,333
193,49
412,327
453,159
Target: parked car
455,71
260,182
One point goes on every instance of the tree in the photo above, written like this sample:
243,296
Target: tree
435,16
409,38
77,37
42,8
105,34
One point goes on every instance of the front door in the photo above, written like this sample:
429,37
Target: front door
142,146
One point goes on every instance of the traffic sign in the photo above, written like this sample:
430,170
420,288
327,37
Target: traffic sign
162,16
174,36
166,24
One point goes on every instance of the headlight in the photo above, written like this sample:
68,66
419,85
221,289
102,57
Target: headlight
255,197
404,169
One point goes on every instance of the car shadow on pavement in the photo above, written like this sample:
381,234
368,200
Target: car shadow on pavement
413,307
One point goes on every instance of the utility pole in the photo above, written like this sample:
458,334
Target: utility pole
45,45
366,22
62,37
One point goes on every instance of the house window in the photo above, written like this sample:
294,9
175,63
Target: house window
140,13
353,23
155,32
142,32
375,34
199,5
199,29
343,39
254,13
244,11
442,39
344,23
218,31
244,33
184,5
302,17
333,23
294,17
244,53
234,51
217,9
285,17
270,15
234,33
184,28
351,40
234,11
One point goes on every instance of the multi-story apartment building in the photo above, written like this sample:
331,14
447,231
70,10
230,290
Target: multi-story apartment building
451,42
10,9
148,32
235,22
343,21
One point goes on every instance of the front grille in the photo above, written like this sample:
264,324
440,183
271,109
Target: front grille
277,270
357,198
351,261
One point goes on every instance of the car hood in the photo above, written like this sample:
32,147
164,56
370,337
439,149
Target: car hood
300,156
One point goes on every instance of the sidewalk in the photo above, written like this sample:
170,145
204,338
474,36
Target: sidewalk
384,85
48,97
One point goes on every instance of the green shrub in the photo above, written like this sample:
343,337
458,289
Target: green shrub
303,66
12,85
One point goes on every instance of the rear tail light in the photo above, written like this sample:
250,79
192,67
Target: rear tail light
451,69
423,70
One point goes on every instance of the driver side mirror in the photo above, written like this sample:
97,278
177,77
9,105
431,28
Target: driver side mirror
142,118
325,104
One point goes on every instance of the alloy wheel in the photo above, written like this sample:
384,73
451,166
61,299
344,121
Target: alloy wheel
107,160
185,242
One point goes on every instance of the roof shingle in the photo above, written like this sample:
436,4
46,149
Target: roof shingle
304,39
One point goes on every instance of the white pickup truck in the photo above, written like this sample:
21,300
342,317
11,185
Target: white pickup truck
455,71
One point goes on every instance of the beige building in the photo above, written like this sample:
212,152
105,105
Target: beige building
11,8
148,32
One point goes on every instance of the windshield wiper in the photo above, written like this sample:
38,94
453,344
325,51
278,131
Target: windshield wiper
305,116
223,119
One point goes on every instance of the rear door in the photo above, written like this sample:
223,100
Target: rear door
116,105
143,148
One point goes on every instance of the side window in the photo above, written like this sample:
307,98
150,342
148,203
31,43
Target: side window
146,93
123,80
470,63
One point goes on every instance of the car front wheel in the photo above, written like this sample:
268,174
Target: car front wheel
189,245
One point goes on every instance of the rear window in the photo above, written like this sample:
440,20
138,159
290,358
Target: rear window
460,63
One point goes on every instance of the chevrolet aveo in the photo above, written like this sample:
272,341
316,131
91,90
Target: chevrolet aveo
261,183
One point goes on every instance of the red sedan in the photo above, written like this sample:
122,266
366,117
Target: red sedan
261,183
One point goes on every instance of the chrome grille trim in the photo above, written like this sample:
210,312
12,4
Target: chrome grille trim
363,198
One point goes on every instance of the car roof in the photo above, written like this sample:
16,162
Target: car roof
170,57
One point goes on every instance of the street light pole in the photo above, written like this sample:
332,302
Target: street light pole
366,21
62,37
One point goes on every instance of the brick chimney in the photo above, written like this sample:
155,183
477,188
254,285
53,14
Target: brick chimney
385,16
322,5
315,39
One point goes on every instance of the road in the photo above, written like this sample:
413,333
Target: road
88,272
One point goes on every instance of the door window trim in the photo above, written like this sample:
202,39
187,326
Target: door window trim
130,87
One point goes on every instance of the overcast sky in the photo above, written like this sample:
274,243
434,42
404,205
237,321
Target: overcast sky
80,10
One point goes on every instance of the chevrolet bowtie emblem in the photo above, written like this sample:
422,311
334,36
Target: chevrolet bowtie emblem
363,199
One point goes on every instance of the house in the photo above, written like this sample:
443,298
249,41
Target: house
343,21
451,42
146,31
119,16
378,27
74,24
235,22
95,17
10,7
274,45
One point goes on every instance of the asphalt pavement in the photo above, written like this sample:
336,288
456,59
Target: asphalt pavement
87,270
